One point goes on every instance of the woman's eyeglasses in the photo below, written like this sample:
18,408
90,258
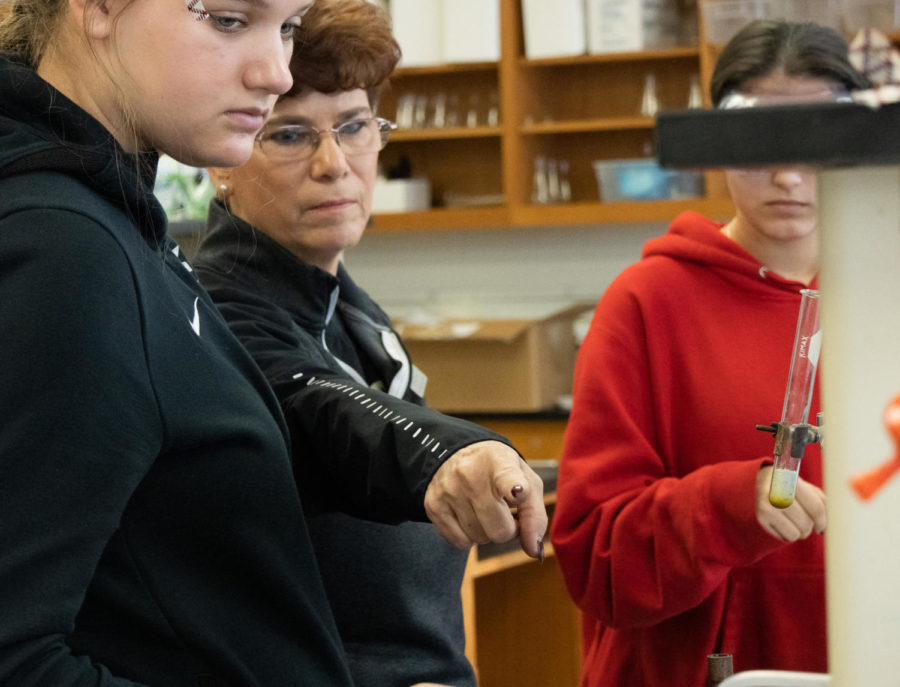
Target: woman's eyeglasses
299,142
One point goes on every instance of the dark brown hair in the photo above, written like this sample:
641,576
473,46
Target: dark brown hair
343,45
800,49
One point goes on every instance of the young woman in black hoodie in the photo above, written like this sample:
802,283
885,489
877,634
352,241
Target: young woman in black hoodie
150,529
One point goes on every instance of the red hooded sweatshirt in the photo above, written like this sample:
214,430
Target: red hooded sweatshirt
655,526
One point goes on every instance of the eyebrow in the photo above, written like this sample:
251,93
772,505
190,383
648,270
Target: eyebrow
342,117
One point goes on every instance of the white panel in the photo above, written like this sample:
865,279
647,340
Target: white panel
416,25
470,30
469,270
614,25
553,28
860,283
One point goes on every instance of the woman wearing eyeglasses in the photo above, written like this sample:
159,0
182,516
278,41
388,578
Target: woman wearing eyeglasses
271,261
663,527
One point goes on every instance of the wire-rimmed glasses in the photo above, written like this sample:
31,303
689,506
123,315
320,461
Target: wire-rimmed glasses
300,142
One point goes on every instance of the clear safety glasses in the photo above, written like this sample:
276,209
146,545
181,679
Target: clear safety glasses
290,142
737,100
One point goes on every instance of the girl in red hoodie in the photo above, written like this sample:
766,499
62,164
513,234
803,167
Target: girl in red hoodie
663,527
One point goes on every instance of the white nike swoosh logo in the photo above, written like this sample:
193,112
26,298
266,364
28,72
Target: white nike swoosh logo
195,323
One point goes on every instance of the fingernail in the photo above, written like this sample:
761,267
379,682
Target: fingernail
516,490
541,550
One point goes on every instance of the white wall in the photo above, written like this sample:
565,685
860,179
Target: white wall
497,271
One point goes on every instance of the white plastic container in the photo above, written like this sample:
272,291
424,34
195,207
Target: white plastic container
553,29
614,25
417,28
630,180
630,25
401,195
470,30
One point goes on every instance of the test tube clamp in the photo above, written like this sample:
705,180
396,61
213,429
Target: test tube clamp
797,436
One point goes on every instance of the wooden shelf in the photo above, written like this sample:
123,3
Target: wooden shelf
443,69
606,58
576,108
445,133
584,125
549,215
441,218
619,213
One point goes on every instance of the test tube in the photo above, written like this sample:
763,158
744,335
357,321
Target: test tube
797,399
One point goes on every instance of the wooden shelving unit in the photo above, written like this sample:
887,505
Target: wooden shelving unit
578,109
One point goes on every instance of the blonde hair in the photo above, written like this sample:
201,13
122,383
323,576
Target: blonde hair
31,28
28,26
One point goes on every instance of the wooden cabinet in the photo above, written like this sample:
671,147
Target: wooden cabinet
577,109
522,627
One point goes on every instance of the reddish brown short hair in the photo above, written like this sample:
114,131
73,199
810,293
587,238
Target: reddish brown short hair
343,45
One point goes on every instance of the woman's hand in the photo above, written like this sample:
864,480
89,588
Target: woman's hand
807,514
486,492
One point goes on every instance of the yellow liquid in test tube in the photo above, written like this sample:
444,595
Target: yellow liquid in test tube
781,492
797,399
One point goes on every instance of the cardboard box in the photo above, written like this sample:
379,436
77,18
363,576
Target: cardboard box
495,365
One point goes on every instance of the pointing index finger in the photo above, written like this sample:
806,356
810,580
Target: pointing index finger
531,515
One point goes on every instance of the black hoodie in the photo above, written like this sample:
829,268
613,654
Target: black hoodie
150,528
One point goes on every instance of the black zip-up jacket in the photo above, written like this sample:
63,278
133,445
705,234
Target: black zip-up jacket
348,389
150,528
